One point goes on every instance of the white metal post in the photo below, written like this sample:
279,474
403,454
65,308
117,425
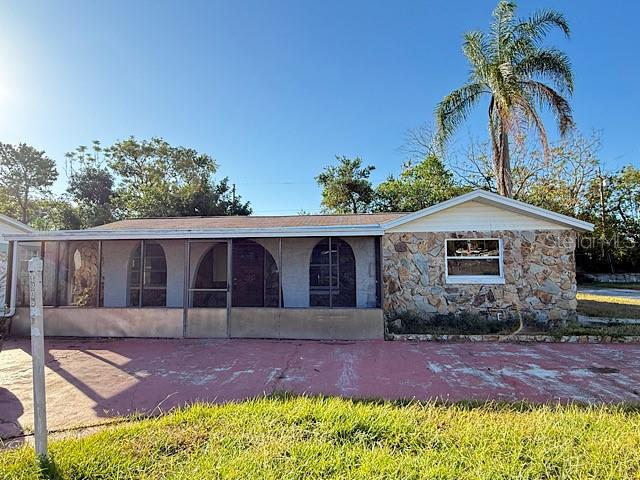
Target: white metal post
37,356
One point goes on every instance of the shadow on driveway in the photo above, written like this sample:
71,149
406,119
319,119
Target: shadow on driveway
90,380
10,413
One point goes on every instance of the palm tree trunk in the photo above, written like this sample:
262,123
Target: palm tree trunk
501,160
505,182
495,130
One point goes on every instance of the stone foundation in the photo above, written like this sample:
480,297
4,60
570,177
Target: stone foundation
539,274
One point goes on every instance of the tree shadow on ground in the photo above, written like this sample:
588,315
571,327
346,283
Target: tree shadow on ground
11,409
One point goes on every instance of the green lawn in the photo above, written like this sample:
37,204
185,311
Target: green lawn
286,438
615,330
607,306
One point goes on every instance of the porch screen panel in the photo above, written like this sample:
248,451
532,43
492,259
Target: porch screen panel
50,273
332,274
255,275
77,272
148,271
26,251
4,262
209,285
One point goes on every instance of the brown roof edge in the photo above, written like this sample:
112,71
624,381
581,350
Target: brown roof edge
251,221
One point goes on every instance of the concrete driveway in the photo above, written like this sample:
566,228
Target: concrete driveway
91,381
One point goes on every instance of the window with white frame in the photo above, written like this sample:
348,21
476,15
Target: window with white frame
474,260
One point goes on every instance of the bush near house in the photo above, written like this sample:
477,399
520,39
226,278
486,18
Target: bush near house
450,324
286,438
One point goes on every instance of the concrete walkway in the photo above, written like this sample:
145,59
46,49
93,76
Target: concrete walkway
90,381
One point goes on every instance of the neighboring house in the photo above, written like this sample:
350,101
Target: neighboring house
307,276
7,225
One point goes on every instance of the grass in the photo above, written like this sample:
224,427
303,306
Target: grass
615,330
300,437
608,306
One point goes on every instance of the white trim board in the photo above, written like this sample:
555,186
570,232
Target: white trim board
158,234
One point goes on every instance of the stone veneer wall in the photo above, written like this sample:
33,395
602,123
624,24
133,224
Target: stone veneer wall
539,270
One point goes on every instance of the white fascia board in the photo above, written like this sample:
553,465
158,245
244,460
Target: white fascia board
498,201
343,231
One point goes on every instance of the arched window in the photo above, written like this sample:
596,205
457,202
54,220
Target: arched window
210,283
256,280
332,274
148,276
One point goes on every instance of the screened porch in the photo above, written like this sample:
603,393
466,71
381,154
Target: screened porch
303,287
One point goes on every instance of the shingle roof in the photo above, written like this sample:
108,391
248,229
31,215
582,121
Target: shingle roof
203,223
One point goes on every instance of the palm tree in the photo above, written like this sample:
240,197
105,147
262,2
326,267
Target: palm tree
510,66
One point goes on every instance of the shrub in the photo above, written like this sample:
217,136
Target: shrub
449,324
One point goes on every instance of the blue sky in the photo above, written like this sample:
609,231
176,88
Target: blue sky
274,89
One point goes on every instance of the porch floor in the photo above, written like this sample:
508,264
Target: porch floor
90,381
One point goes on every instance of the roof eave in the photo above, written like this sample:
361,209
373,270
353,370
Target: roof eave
161,234
15,224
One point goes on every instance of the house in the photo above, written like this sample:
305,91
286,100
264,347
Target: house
7,225
305,276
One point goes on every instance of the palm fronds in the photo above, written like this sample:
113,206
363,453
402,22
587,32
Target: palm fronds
547,96
455,107
510,65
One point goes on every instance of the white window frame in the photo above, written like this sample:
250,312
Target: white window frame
477,279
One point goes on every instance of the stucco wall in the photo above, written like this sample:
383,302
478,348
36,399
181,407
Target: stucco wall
316,323
296,254
115,263
311,324
103,322
539,273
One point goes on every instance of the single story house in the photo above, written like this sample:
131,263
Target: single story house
7,225
304,276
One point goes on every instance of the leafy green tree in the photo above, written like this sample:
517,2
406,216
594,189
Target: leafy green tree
51,213
25,174
418,186
155,176
346,187
207,198
612,205
91,185
147,178
517,74
8,204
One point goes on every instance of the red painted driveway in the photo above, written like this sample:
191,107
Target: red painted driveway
91,380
